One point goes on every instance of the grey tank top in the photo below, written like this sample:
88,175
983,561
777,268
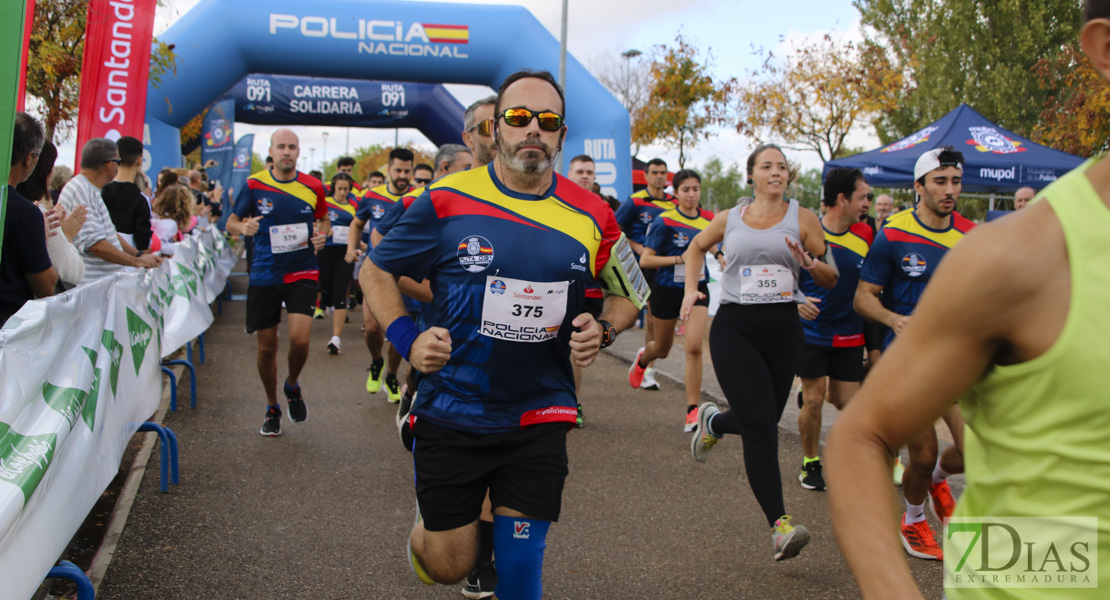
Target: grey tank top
745,246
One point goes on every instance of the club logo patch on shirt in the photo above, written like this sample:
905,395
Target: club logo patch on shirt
475,253
681,240
265,206
646,217
913,264
376,212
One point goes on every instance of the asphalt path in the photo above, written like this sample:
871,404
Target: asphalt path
324,510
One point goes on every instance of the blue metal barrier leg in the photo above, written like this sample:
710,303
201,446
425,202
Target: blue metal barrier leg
200,344
189,351
168,453
173,388
192,379
70,571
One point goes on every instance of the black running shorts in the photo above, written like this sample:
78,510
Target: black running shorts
264,302
841,364
666,300
523,470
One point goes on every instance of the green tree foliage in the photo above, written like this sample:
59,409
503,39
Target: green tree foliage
981,52
685,104
805,187
722,186
55,55
257,162
1076,117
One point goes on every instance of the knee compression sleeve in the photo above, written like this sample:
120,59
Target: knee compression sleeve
518,546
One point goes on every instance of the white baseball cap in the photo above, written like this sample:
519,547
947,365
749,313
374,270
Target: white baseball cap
930,161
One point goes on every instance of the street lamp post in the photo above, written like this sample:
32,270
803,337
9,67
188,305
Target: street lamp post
312,157
325,161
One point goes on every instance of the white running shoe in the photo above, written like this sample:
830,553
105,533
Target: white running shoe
333,345
649,382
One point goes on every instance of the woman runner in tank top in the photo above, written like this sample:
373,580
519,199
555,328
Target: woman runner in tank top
756,338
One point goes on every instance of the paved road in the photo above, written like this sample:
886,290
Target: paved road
324,510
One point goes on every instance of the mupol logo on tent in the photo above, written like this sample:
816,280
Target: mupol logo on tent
999,174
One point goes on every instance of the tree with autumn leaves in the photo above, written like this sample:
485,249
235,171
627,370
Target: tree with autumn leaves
55,56
685,101
813,96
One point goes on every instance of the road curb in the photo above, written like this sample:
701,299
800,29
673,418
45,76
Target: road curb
118,521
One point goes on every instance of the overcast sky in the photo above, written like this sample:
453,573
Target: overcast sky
596,28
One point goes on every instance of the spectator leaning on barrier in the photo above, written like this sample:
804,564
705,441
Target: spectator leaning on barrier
127,207
63,254
25,269
102,249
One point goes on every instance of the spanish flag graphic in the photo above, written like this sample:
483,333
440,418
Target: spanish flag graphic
447,34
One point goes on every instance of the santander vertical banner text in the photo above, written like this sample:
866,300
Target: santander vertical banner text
114,73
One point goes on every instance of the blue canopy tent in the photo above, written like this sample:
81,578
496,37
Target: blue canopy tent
996,160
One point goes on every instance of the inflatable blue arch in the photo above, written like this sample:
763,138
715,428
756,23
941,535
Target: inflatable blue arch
218,43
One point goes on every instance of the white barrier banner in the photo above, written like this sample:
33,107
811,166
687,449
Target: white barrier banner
80,372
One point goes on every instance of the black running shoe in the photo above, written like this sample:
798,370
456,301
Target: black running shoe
810,477
403,409
481,582
272,425
298,410
800,403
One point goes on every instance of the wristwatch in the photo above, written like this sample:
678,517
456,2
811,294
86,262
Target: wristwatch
608,333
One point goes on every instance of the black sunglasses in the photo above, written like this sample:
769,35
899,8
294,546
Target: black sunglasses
521,117
485,128
421,181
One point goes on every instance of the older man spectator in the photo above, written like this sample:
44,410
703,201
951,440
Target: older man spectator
198,183
25,268
1023,196
101,246
125,201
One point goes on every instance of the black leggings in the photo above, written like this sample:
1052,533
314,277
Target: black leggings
335,276
755,351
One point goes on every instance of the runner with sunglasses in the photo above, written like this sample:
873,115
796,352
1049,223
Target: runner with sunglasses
422,175
667,240
371,209
756,336
507,320
478,130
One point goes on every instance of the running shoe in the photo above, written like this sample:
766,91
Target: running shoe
942,501
272,425
800,402
298,410
413,560
919,541
703,441
374,379
691,419
392,388
578,419
636,372
403,408
333,345
899,470
649,382
318,313
810,477
481,582
788,540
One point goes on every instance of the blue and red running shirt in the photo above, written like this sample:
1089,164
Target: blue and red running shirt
904,256
288,209
637,213
340,216
508,273
838,325
670,234
373,206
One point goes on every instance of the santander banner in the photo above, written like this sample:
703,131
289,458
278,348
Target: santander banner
118,35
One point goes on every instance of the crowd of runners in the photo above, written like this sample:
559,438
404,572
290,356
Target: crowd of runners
498,281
